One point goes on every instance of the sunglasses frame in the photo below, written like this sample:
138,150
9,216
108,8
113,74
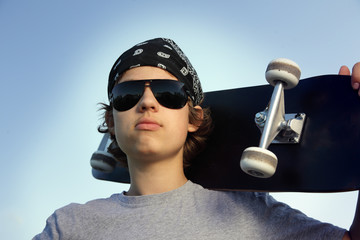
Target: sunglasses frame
175,98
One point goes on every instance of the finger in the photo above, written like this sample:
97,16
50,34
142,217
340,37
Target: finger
344,70
355,77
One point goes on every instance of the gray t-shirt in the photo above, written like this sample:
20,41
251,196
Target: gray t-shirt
189,212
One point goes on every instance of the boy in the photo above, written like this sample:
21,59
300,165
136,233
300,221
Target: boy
157,126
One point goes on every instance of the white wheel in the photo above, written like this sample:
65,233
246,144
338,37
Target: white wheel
258,162
102,161
284,70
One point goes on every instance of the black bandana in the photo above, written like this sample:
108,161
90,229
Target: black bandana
162,53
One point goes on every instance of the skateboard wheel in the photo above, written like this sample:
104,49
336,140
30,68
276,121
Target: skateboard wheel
284,70
102,161
258,162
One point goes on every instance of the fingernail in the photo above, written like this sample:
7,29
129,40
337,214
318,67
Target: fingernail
355,86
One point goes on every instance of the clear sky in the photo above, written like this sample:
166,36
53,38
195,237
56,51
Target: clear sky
55,57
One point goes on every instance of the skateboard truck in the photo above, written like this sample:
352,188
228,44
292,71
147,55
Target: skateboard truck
275,125
290,127
102,160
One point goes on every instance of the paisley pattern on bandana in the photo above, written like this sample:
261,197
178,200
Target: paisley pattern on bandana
163,53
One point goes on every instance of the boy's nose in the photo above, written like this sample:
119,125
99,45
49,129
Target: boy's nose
148,100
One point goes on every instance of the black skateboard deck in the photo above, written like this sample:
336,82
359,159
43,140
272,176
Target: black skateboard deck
327,158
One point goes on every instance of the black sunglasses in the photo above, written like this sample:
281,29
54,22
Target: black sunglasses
169,93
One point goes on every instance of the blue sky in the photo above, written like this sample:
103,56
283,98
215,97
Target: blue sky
54,61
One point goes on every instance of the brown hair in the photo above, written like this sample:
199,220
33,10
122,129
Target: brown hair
194,144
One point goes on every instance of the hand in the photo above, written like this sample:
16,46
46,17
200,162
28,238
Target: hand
355,77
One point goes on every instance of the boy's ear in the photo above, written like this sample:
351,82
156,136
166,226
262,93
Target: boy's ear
109,119
195,124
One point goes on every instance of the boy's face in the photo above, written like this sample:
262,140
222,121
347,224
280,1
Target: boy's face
149,131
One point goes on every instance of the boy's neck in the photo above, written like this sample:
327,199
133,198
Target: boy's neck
156,177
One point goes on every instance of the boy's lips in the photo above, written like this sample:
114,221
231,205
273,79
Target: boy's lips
147,124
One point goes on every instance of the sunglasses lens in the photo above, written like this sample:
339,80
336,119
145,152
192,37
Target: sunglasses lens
169,93
127,94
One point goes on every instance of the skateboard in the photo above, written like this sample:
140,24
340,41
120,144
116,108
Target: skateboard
286,136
